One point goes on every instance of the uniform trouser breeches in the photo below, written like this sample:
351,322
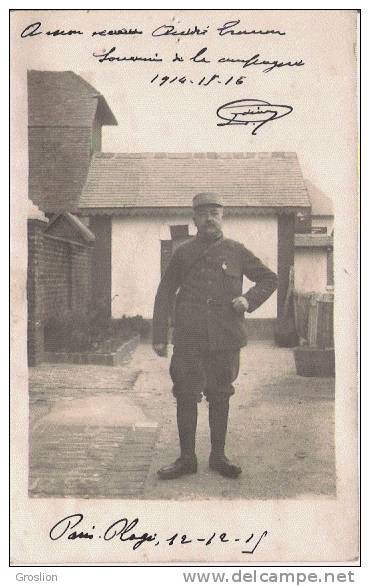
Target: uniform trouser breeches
195,373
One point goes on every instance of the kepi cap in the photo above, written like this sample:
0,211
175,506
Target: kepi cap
206,199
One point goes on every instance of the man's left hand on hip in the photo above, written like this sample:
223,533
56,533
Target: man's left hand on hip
240,304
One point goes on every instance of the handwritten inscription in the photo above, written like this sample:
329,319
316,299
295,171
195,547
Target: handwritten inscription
201,61
257,60
202,56
128,531
120,31
166,30
110,56
249,112
228,29
204,81
33,30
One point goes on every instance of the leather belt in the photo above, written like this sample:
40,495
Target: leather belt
211,301
199,301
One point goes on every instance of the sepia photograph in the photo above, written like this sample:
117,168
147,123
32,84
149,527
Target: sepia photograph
185,222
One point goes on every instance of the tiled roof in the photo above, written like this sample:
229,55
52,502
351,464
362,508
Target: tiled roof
78,228
63,98
167,180
313,240
321,204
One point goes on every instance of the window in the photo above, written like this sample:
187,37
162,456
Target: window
179,231
179,234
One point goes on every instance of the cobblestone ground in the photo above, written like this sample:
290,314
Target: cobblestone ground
87,440
102,432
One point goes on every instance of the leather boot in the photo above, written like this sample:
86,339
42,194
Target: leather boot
187,412
218,417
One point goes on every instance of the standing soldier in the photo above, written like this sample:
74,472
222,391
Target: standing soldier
204,279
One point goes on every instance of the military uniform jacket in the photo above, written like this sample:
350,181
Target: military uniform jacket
200,283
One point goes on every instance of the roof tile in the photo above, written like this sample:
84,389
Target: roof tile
140,180
63,98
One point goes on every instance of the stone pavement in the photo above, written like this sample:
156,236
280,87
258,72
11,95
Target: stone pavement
87,438
102,432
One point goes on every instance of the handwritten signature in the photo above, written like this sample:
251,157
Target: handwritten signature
250,111
125,530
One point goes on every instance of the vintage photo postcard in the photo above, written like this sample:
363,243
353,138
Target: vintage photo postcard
184,287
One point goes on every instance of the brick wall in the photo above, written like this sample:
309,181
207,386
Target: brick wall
81,289
58,279
56,276
35,340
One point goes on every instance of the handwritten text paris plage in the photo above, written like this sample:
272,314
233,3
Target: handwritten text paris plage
199,81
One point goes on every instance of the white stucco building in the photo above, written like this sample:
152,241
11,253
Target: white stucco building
139,208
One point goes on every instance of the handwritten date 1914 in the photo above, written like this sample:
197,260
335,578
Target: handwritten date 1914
204,81
124,530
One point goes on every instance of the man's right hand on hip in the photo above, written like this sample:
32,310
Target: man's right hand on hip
160,349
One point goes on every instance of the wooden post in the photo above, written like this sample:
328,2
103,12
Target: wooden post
101,263
285,257
313,321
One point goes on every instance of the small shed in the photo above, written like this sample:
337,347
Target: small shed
139,208
314,245
314,270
